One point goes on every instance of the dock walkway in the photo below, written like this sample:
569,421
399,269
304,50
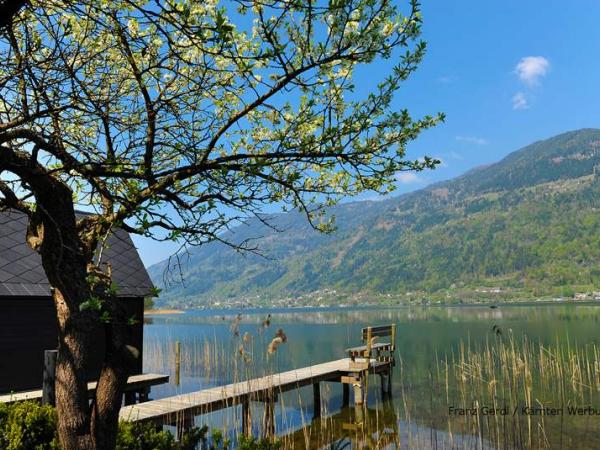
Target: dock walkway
180,410
136,384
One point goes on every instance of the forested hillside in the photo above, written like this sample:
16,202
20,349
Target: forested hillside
528,224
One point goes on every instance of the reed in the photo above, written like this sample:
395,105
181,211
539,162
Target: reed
520,391
504,374
251,351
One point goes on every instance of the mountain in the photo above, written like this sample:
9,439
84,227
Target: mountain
527,225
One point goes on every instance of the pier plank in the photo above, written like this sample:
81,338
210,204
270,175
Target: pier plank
214,398
134,383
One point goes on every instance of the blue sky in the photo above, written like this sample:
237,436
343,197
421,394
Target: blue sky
505,72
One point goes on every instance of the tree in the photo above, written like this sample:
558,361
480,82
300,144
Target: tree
175,120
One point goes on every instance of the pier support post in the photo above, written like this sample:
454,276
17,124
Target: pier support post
269,417
49,378
359,392
144,394
246,417
359,415
316,400
345,395
183,424
385,384
177,362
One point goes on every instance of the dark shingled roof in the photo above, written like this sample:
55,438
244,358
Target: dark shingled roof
22,274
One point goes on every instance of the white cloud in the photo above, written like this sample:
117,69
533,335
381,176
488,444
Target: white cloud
519,101
456,155
472,140
531,68
408,178
445,79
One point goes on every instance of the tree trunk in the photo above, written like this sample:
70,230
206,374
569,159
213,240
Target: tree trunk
72,404
53,233
82,425
67,253
105,415
118,360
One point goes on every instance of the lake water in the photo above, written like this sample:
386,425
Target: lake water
432,375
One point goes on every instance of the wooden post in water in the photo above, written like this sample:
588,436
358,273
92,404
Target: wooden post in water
316,400
359,395
49,377
385,384
246,417
269,417
346,395
359,415
183,424
177,362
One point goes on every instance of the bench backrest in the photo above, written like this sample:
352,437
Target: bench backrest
380,331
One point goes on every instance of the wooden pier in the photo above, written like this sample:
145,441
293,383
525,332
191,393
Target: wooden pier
368,358
137,386
180,410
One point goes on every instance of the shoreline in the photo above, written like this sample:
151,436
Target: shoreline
156,312
491,305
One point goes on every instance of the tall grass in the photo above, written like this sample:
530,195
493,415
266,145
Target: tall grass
504,375
241,356
521,392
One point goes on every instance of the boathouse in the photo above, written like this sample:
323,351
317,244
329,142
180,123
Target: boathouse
27,316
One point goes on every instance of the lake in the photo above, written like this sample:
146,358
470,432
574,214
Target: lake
518,376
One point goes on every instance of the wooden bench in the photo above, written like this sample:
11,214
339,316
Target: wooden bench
137,385
380,351
372,357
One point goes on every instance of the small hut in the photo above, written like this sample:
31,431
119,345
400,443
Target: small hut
28,324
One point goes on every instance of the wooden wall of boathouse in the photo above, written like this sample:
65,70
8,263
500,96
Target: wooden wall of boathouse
28,327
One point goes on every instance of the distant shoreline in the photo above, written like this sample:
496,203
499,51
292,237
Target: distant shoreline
311,308
149,312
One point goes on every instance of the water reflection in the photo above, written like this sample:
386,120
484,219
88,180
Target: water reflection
375,427
354,427
428,338
332,315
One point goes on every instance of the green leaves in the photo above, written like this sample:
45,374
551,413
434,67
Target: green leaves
181,118
132,321
222,25
27,425
155,291
112,290
105,317
91,304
